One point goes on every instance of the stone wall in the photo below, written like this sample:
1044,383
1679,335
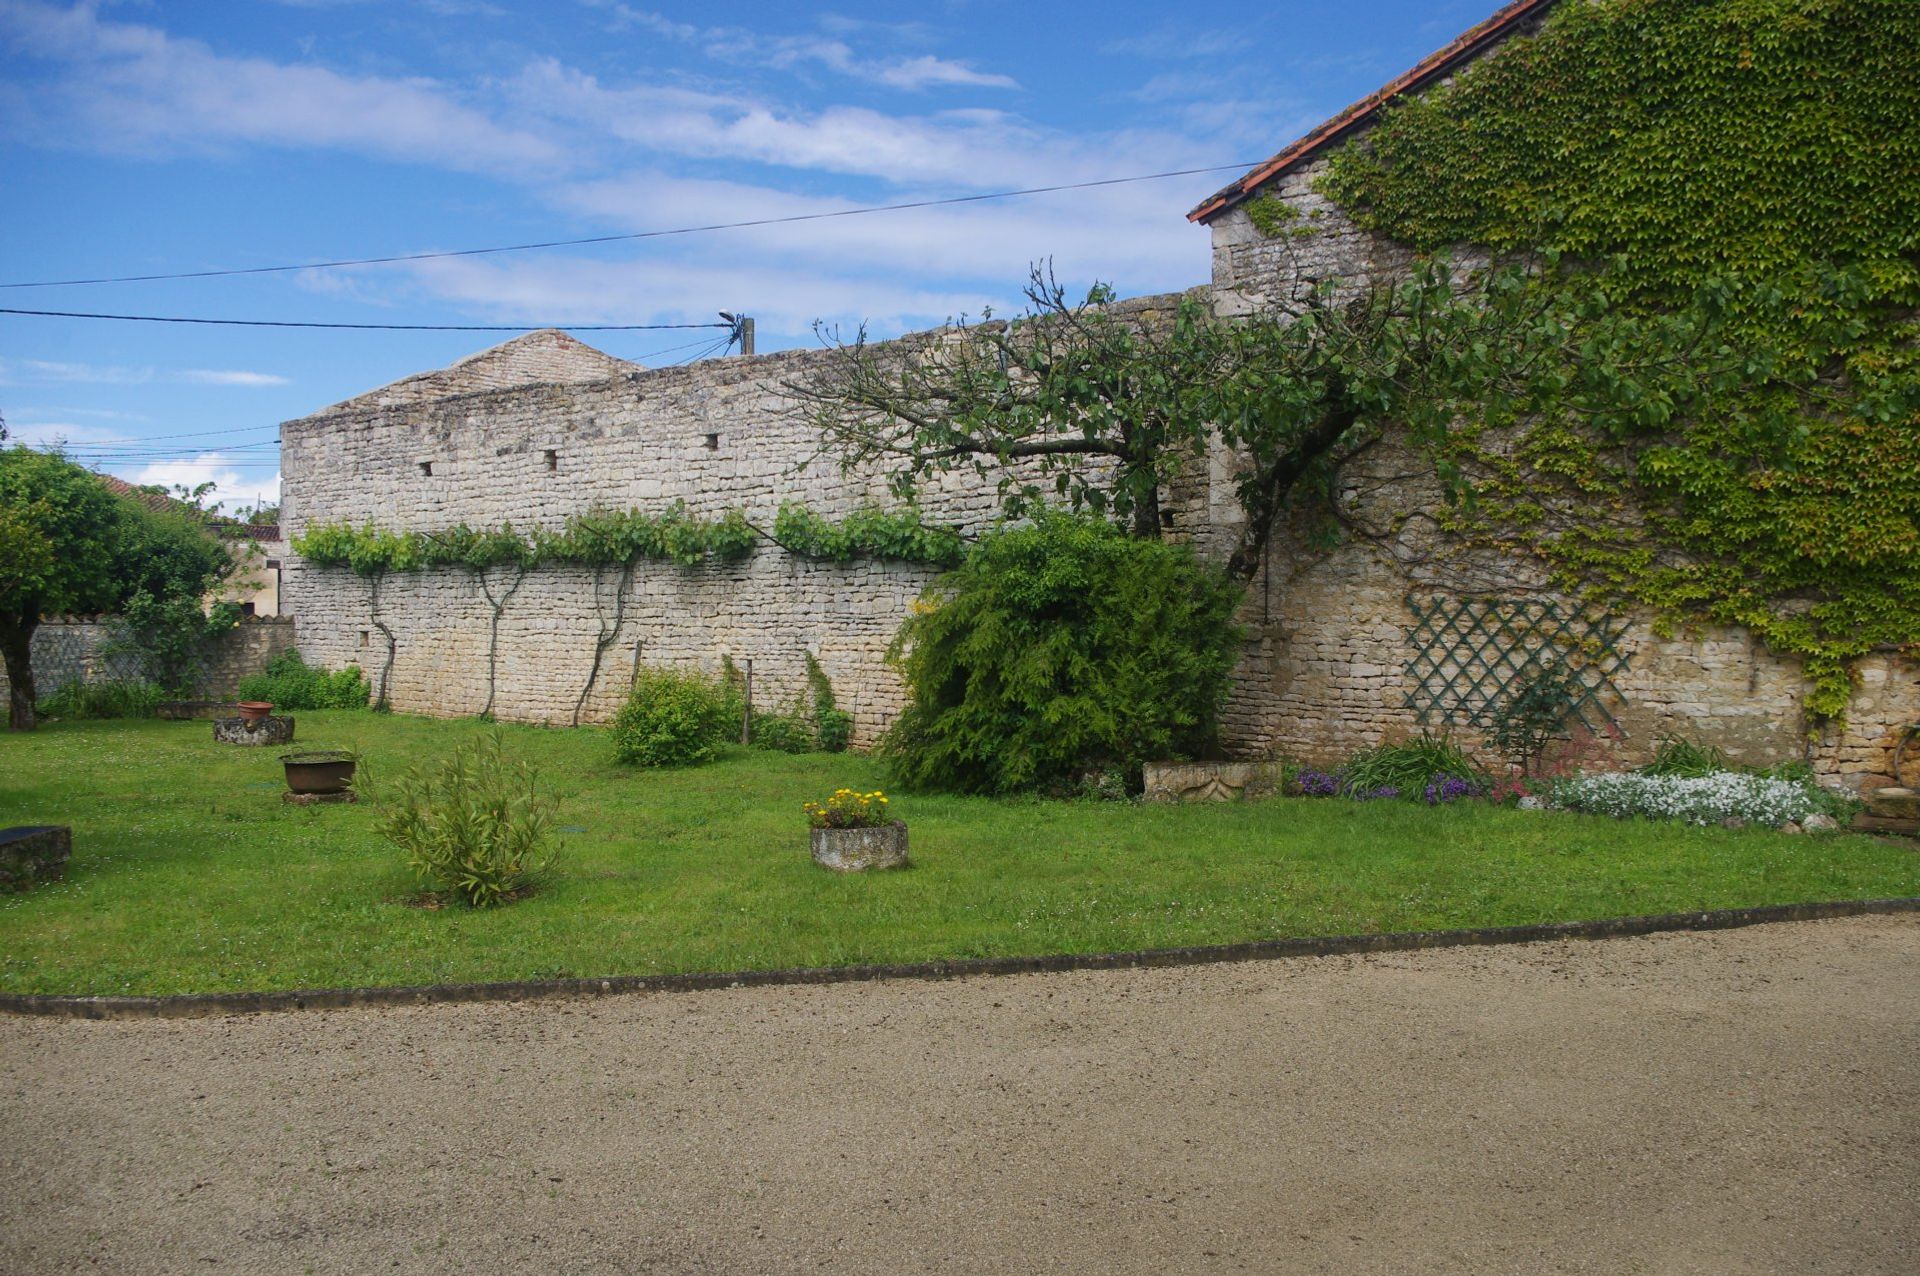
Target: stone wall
88,649
718,435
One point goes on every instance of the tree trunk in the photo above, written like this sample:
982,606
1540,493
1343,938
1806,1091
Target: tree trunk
16,645
1277,483
1146,515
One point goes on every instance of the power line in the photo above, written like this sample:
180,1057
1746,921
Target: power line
614,239
379,327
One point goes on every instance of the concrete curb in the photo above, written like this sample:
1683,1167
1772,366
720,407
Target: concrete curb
203,1005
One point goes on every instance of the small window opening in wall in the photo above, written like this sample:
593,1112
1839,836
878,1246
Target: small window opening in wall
713,443
366,638
553,459
273,564
426,468
1166,518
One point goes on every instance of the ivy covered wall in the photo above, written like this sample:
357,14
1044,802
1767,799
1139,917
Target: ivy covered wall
1762,155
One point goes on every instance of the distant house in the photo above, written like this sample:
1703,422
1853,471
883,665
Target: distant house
257,548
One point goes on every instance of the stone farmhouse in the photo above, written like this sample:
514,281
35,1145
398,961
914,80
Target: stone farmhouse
1345,646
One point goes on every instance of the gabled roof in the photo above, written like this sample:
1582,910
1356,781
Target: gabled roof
546,357
1435,66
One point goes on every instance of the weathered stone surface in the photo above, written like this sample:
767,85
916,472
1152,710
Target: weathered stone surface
1894,804
1820,824
1210,781
33,853
857,850
269,730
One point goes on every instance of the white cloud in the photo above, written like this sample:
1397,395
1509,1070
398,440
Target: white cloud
134,88
747,47
217,376
236,481
49,371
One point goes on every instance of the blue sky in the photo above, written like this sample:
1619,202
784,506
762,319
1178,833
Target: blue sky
156,137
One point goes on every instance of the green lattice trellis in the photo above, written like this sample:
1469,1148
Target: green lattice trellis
1472,654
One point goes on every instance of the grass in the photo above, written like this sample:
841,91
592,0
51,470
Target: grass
189,875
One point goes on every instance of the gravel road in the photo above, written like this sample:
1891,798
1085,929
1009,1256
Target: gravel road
1741,1101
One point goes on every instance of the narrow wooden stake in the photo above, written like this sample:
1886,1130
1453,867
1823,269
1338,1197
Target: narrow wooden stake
746,718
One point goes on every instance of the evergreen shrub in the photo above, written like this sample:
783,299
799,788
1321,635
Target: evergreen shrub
1057,650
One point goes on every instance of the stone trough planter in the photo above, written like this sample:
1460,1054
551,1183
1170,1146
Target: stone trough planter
858,850
1210,781
35,853
273,730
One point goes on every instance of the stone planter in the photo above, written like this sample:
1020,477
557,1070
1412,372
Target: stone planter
1210,781
36,853
265,731
857,850
319,772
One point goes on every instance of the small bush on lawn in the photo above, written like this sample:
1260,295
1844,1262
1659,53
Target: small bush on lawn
672,719
782,732
288,682
1059,649
78,699
477,825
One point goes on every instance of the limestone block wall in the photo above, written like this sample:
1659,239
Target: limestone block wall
719,436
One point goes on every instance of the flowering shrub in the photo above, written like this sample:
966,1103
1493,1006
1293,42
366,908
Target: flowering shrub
847,809
1313,783
1703,799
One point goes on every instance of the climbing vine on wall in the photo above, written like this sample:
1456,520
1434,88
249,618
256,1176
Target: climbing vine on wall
1766,152
603,538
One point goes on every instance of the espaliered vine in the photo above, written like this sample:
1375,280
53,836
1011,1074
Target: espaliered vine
1766,152
603,538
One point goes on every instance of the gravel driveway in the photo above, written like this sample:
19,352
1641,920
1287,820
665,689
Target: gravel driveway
1724,1102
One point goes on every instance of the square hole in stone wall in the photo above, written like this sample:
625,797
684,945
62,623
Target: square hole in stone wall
713,443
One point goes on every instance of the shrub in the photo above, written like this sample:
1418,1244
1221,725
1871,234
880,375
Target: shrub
782,733
79,699
671,719
477,825
1676,756
1697,799
1409,768
847,809
288,682
1524,723
1060,649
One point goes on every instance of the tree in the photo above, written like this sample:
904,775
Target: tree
67,544
1109,403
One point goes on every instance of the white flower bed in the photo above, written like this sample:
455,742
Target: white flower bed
1706,799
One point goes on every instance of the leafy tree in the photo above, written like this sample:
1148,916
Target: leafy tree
67,544
1107,404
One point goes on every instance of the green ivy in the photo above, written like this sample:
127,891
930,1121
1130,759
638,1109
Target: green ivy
612,538
1768,150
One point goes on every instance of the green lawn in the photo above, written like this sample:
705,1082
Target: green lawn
190,875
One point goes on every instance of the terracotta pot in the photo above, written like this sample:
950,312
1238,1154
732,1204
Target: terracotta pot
252,711
319,770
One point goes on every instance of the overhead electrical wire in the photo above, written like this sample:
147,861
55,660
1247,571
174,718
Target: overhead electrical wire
789,219
372,327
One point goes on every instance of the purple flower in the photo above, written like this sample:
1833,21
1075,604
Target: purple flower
1449,788
1313,783
1384,791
